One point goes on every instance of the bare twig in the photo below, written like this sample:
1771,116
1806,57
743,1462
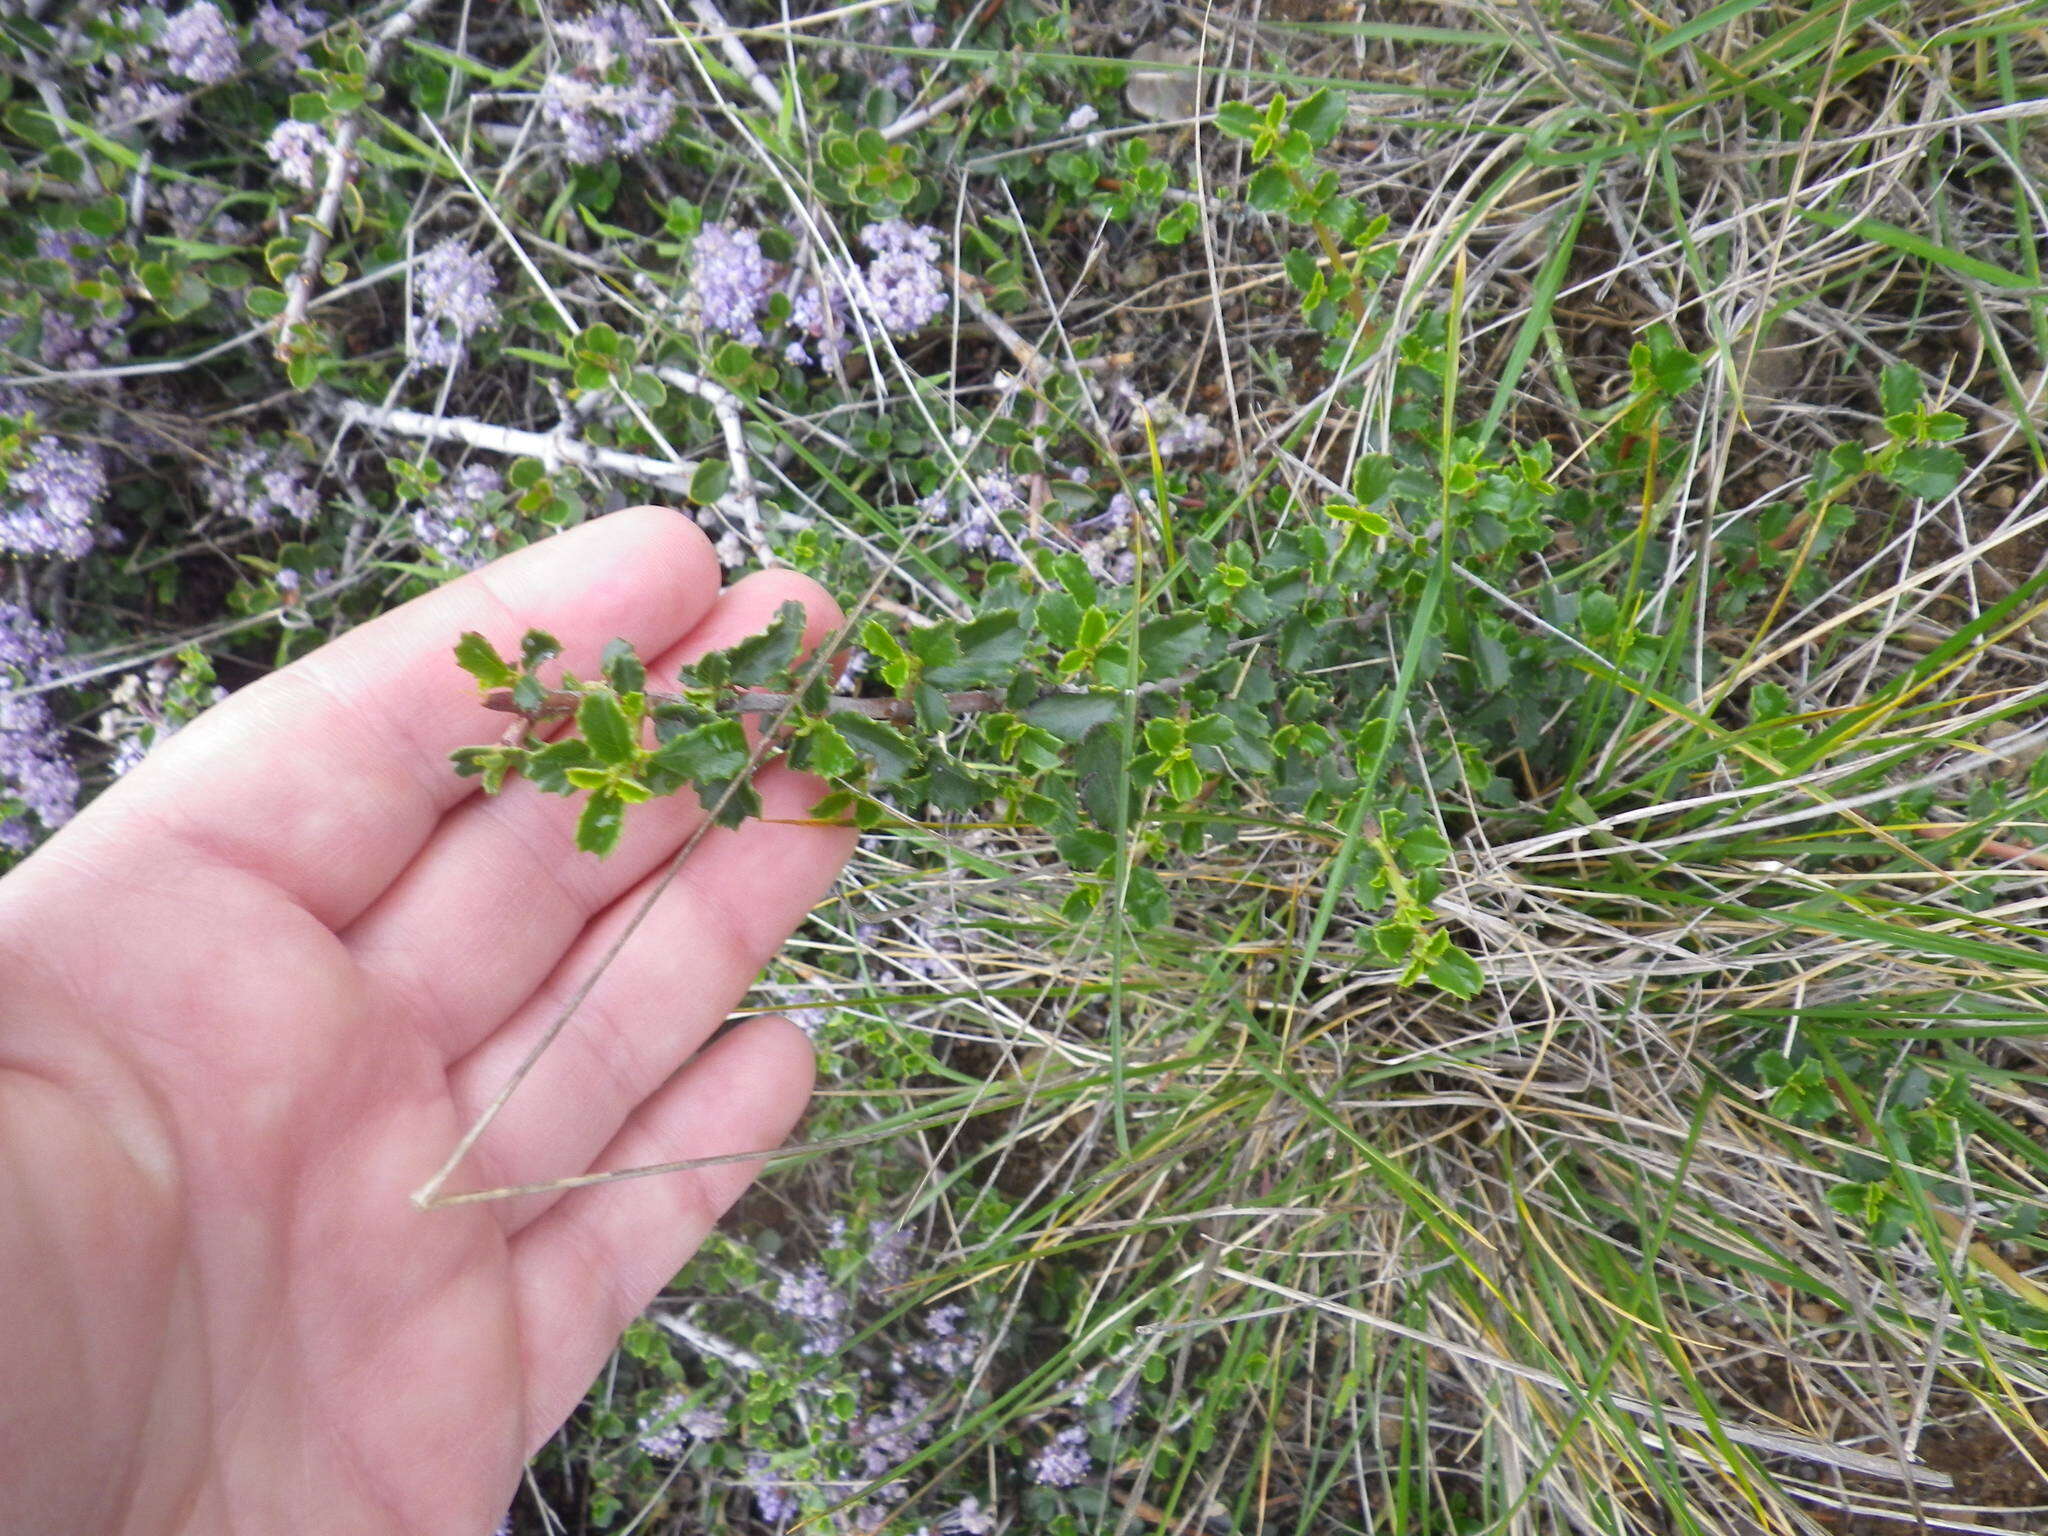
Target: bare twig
737,56
743,500
551,448
707,1343
917,117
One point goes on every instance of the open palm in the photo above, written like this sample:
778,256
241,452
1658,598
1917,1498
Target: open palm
252,997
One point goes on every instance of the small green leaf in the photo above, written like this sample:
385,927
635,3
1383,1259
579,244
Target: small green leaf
712,480
492,764
623,669
538,646
1456,972
707,754
1269,190
1320,117
104,216
1898,389
762,659
1179,222
826,752
989,649
894,755
1598,613
1070,716
603,722
1239,119
480,659
1927,472
603,819
1167,646
550,767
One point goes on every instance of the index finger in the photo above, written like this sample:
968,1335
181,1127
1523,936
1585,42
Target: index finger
327,776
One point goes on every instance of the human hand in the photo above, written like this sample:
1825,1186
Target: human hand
251,999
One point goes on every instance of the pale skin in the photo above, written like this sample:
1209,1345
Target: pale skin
249,1002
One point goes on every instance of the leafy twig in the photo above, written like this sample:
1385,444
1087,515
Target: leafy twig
298,288
761,701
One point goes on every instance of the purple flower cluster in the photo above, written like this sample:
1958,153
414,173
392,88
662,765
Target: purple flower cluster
903,288
34,768
978,515
889,1252
67,344
948,1348
891,1434
455,523
1066,1461
287,32
454,285
607,103
299,151
1187,435
52,499
193,210
968,1518
817,311
811,1298
152,705
774,1500
670,1429
197,44
732,280
133,101
261,485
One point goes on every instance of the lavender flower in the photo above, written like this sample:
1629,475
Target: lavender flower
261,484
948,1348
286,32
34,768
1188,435
67,345
810,1297
773,1500
197,44
892,1434
194,213
453,523
979,517
669,1430
969,1519
732,281
453,284
152,705
818,311
1066,1461
1123,1402
889,1249
607,103
1081,117
130,101
52,499
298,150
903,288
